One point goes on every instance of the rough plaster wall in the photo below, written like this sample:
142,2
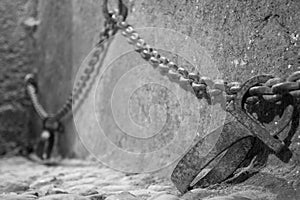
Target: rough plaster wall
17,51
244,38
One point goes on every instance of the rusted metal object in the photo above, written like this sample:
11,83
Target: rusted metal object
228,164
236,108
236,138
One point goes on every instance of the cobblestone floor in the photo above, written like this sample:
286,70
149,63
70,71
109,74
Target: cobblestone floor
87,180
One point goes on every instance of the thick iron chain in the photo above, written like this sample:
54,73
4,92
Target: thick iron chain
274,89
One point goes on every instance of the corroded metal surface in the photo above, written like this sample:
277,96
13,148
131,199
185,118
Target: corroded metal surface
228,163
195,160
254,126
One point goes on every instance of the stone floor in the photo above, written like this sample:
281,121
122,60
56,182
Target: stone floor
87,180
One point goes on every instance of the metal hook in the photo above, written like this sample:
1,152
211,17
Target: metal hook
123,10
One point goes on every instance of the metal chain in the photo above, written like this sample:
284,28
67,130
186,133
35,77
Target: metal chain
274,89
85,77
31,90
204,87
109,30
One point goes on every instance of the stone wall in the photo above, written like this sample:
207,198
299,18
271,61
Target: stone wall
17,53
